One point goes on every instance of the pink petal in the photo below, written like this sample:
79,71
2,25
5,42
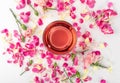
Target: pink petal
86,34
73,8
20,6
12,46
76,61
69,74
47,79
28,33
5,31
35,70
35,41
25,16
22,1
82,45
36,79
82,1
16,34
57,57
81,20
40,22
75,24
28,2
88,78
72,1
9,61
73,70
35,4
49,61
29,46
105,44
28,13
43,55
78,80
60,6
97,53
66,4
49,4
78,28
91,3
25,19
107,29
102,81
73,16
91,26
65,65
110,4
18,45
78,33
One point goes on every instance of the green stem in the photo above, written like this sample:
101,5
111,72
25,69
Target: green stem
22,25
83,51
35,11
18,22
51,8
15,17
68,76
98,64
19,28
48,8
22,73
81,81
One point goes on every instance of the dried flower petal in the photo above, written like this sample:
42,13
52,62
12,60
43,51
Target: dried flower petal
25,16
21,4
38,68
91,3
102,81
40,22
110,4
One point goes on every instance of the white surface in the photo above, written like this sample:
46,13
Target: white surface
10,73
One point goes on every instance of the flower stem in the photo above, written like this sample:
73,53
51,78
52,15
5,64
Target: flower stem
18,22
48,8
26,69
15,17
35,11
81,81
73,56
51,8
22,37
98,64
68,76
22,73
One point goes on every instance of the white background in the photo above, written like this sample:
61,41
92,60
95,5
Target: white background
10,73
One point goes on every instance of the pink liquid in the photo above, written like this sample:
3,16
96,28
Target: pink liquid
59,37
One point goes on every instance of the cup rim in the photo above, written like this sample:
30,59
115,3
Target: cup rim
66,25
